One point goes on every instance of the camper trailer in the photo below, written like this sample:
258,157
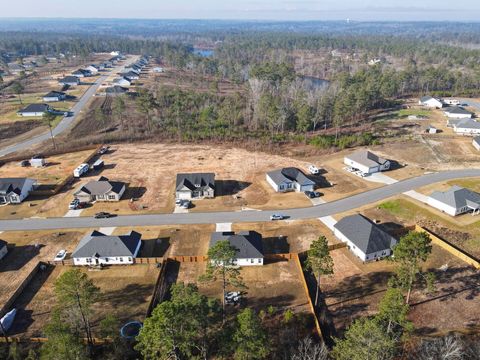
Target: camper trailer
80,170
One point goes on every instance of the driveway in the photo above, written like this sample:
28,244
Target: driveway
319,211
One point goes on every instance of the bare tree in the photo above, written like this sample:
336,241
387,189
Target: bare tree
310,350
450,347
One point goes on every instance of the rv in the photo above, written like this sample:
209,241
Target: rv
82,169
98,165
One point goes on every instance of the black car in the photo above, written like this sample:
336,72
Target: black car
25,163
317,194
102,215
310,194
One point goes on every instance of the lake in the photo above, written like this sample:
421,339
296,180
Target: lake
314,83
204,52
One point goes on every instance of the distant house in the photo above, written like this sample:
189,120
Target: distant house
15,68
248,245
131,75
464,126
3,249
158,70
122,82
431,130
100,190
97,248
81,73
115,90
53,96
289,179
451,102
431,102
93,69
364,238
34,110
476,142
70,81
195,186
455,201
366,162
15,190
457,113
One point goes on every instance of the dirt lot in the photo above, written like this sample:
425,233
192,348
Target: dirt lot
356,289
276,284
125,292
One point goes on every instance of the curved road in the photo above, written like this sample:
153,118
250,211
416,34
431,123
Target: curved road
334,207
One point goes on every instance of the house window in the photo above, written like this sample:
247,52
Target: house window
289,186
129,259
89,260
251,261
259,261
281,187
111,197
121,259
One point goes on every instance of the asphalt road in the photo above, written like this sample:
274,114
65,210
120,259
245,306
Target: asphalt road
327,209
65,123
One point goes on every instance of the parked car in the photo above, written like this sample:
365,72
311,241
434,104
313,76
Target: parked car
310,194
38,156
25,163
103,215
178,202
60,255
74,204
276,217
317,194
232,297
185,204
313,170
103,150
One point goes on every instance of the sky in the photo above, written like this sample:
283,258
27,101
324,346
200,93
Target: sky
362,10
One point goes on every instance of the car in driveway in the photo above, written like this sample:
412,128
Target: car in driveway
103,215
60,255
74,204
103,150
312,169
277,217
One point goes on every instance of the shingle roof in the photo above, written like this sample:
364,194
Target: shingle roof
101,245
101,187
3,244
366,235
476,140
116,90
54,94
288,175
8,185
366,158
195,181
69,79
425,98
458,197
466,124
35,108
457,110
248,243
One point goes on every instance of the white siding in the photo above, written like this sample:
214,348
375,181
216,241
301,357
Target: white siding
359,253
442,207
250,262
364,169
121,260
272,183
466,131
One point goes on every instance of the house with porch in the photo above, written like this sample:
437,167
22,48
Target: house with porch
195,186
455,201
15,190
248,246
289,179
100,190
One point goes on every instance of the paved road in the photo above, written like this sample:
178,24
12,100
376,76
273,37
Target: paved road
322,210
65,123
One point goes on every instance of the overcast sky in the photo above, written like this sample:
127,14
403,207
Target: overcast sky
404,10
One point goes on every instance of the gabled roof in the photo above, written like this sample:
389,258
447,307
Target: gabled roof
476,140
366,158
465,124
130,74
457,110
69,79
101,245
196,181
288,175
248,243
366,235
101,187
8,185
54,94
458,197
119,80
35,108
427,98
116,90
3,244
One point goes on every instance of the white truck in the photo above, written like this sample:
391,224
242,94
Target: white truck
80,170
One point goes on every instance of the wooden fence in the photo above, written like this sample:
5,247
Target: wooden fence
452,249
17,339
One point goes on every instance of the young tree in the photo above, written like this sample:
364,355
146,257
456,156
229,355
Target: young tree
48,118
221,258
145,104
393,312
250,338
180,328
119,108
76,294
18,88
319,261
412,250
365,339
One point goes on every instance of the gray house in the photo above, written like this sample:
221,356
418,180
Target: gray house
115,90
366,162
476,142
3,249
34,110
248,245
97,248
195,186
100,190
53,96
289,179
70,81
15,190
364,238
455,201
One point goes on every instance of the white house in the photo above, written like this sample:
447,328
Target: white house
364,238
70,81
158,70
248,245
455,201
464,126
431,130
97,248
54,96
34,110
289,179
476,142
93,69
457,113
101,190
366,162
3,249
430,102
122,82
451,102
195,186
15,190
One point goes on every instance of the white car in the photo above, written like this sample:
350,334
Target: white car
276,217
313,170
60,255
74,204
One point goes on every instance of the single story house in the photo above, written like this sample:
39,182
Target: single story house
158,70
69,80
100,190
34,110
97,248
431,130
455,201
364,238
53,96
15,68
122,82
131,75
92,68
431,102
289,179
451,102
248,245
366,162
115,90
464,126
81,73
3,249
15,190
195,186
457,112
476,142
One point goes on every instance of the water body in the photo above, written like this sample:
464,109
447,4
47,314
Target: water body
203,52
314,83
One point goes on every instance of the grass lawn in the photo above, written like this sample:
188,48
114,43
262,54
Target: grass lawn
419,112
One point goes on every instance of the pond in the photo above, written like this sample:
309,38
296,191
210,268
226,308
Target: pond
203,52
314,83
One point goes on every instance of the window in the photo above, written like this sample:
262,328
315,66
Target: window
259,261
89,260
111,197
281,187
252,261
121,259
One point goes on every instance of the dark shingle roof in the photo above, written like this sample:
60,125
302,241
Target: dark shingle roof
8,185
458,197
54,94
288,175
366,158
196,181
35,108
457,110
102,186
3,244
248,243
366,235
101,245
116,90
69,79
